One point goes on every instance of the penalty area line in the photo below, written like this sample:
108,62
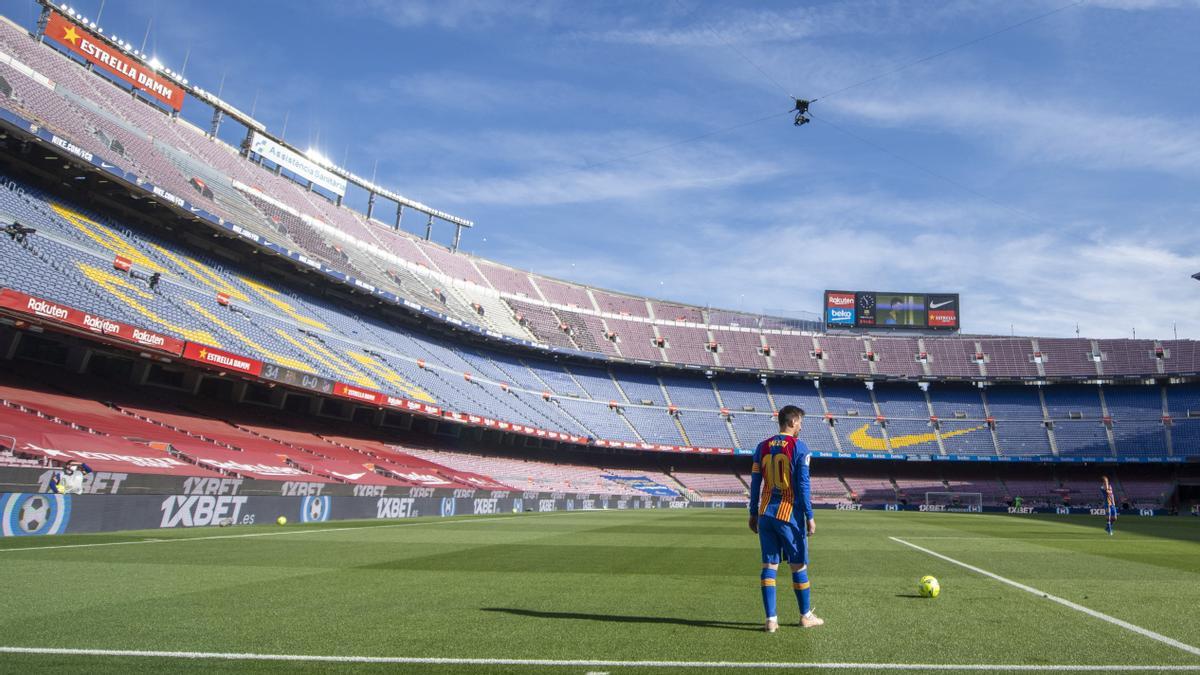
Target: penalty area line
583,663
1062,601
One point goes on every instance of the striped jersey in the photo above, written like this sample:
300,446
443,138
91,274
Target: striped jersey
779,478
1108,495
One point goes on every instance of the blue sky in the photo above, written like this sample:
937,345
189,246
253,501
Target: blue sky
1048,173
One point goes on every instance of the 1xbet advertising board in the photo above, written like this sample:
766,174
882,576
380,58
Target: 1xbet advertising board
873,309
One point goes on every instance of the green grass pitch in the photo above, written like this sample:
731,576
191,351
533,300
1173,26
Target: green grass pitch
613,586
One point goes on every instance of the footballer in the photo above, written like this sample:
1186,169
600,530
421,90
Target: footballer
778,486
1110,506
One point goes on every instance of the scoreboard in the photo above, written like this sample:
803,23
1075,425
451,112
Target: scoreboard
872,309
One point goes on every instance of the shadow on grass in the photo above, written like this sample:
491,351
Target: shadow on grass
624,618
910,595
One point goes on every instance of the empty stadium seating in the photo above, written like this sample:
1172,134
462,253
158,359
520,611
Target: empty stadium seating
71,261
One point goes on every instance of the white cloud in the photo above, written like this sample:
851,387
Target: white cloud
1142,5
1039,283
1088,134
705,26
457,14
460,91
539,169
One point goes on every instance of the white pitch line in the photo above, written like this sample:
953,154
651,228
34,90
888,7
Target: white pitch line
1062,601
728,665
442,521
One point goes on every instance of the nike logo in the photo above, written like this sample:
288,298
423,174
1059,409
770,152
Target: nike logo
935,305
865,441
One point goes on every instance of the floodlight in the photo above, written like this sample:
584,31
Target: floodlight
155,63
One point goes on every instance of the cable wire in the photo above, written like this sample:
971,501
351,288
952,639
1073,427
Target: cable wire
739,52
714,132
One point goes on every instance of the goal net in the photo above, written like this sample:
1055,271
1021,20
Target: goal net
961,502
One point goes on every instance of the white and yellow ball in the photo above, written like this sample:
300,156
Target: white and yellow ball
929,587
282,520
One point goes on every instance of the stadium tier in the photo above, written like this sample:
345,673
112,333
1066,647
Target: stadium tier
162,150
453,337
70,261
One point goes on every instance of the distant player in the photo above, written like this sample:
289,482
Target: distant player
778,486
1110,506
70,479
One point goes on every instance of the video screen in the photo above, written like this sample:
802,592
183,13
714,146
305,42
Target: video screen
904,311
871,309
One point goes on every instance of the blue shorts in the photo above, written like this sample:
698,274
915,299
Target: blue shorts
1112,512
782,537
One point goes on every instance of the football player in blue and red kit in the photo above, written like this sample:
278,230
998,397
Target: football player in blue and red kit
779,493
1110,506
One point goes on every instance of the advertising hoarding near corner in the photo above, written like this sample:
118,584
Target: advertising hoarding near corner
889,310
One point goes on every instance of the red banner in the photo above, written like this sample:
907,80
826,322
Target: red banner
943,318
95,50
358,394
46,309
220,358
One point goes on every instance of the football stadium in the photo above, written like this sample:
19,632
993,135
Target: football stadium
255,417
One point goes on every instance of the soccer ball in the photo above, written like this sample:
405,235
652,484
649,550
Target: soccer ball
929,587
282,520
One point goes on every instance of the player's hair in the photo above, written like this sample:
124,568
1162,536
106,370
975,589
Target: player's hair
788,416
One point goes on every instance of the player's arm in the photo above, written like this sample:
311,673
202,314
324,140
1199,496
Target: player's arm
85,468
756,479
803,489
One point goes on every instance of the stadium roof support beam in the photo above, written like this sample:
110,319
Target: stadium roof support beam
216,121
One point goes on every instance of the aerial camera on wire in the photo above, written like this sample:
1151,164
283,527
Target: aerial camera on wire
801,110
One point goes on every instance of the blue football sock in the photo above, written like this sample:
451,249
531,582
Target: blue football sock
800,585
768,592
